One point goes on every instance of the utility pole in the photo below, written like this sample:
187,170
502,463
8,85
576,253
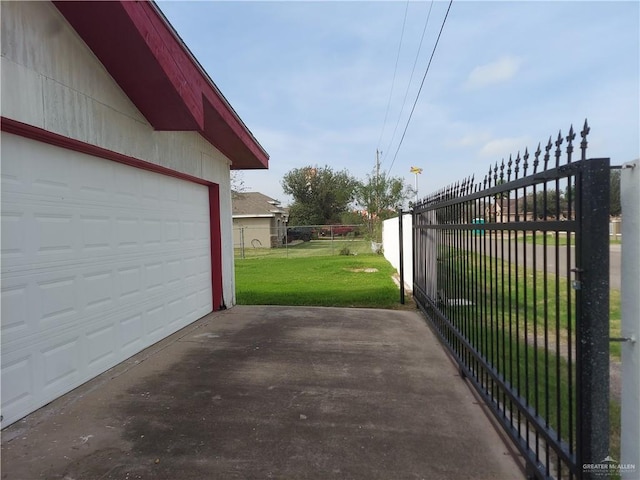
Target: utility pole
416,171
377,188
377,182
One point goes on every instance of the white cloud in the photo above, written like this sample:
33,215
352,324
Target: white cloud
499,71
469,140
503,147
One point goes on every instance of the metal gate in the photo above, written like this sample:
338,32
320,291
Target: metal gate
513,274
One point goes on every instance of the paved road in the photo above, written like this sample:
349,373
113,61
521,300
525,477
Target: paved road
270,392
526,250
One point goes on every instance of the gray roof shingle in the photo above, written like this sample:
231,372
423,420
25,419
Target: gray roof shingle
255,203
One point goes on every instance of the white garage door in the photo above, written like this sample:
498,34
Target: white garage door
99,261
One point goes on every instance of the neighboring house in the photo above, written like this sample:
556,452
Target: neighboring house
258,221
116,198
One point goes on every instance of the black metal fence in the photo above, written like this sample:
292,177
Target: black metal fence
513,274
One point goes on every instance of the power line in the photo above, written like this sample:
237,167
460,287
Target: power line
395,70
415,62
421,85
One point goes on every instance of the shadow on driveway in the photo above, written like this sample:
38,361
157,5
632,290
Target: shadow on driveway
270,392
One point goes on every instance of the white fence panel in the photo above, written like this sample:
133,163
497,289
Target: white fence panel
391,245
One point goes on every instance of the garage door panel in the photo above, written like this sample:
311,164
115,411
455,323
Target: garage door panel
56,302
13,236
96,181
60,362
96,232
15,308
155,322
100,343
64,294
93,271
17,382
154,277
131,333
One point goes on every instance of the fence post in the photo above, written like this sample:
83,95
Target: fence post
332,246
401,255
630,417
242,241
592,315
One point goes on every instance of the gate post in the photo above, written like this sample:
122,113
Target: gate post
630,198
592,315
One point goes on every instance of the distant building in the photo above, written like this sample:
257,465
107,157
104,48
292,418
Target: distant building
258,221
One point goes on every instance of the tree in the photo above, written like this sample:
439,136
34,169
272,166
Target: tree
615,208
320,195
380,196
550,205
237,181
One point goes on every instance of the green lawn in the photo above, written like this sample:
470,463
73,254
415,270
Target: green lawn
328,281
562,239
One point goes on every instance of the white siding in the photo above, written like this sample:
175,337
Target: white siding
52,80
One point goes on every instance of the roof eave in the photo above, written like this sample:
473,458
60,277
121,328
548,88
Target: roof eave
155,69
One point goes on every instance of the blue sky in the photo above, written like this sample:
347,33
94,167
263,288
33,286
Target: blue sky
312,80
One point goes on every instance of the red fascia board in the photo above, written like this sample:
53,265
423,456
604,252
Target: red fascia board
176,66
218,131
155,70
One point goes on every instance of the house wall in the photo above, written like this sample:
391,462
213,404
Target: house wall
66,90
252,228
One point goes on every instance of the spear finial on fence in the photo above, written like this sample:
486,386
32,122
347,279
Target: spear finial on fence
583,144
516,169
502,171
546,154
509,163
536,159
570,139
525,164
495,174
558,152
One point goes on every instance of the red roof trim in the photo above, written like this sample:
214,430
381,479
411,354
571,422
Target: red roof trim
15,127
216,247
154,68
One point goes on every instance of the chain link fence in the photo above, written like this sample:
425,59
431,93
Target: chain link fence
302,241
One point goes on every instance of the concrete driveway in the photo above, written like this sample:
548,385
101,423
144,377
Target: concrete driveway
270,392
